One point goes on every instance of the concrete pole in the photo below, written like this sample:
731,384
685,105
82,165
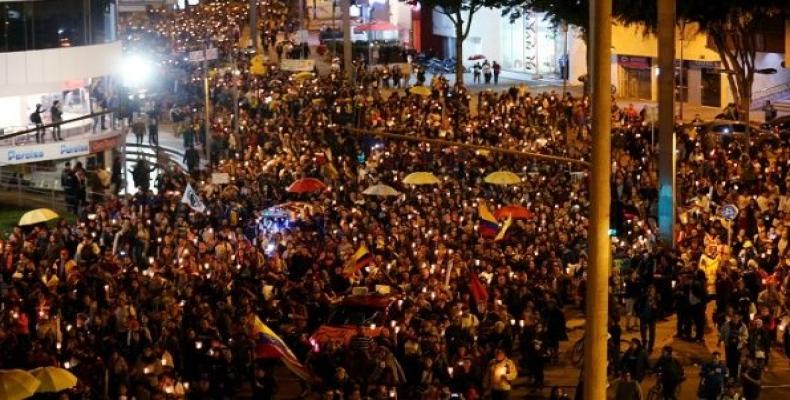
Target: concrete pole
254,24
596,328
345,5
666,121
207,101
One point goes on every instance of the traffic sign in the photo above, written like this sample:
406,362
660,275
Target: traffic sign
204,55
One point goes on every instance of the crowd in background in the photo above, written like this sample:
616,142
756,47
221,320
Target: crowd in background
143,297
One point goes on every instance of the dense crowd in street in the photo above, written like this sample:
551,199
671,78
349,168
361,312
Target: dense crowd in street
144,297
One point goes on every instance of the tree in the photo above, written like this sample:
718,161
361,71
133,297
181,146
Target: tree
733,27
456,11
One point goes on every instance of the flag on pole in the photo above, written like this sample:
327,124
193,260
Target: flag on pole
358,260
269,345
503,231
488,226
192,199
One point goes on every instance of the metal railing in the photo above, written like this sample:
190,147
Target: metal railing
66,131
134,151
770,93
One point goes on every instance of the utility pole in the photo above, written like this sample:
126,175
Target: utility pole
596,328
207,102
254,24
666,121
345,5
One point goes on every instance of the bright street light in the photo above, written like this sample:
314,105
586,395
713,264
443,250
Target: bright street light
135,70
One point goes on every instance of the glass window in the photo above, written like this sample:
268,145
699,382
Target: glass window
15,26
102,21
46,24
530,44
58,23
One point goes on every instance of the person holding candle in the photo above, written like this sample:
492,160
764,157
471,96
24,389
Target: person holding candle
501,374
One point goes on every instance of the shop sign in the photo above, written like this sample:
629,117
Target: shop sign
46,152
101,144
704,64
634,62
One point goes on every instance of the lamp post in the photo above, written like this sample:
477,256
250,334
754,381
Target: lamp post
345,5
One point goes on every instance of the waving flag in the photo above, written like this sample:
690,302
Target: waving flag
192,199
269,345
477,290
503,231
359,260
488,226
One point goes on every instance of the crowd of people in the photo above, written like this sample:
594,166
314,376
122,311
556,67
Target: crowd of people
147,297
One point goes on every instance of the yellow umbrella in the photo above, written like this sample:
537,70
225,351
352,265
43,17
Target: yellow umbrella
54,379
421,178
381,191
303,75
503,178
38,216
16,384
420,90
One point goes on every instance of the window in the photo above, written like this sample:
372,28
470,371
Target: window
47,24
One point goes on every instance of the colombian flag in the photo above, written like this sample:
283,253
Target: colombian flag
269,345
488,226
359,260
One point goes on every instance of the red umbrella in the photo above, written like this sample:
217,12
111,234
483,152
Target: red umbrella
517,212
306,185
476,57
376,26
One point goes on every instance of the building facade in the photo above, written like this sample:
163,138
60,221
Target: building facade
531,47
56,50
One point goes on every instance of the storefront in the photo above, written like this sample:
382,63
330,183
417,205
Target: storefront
531,44
634,80
15,111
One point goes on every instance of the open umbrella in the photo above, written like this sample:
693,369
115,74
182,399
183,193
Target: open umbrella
306,185
421,178
303,75
16,384
54,379
503,178
381,191
38,216
420,90
476,57
514,211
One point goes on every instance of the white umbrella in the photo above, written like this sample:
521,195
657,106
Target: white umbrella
381,191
